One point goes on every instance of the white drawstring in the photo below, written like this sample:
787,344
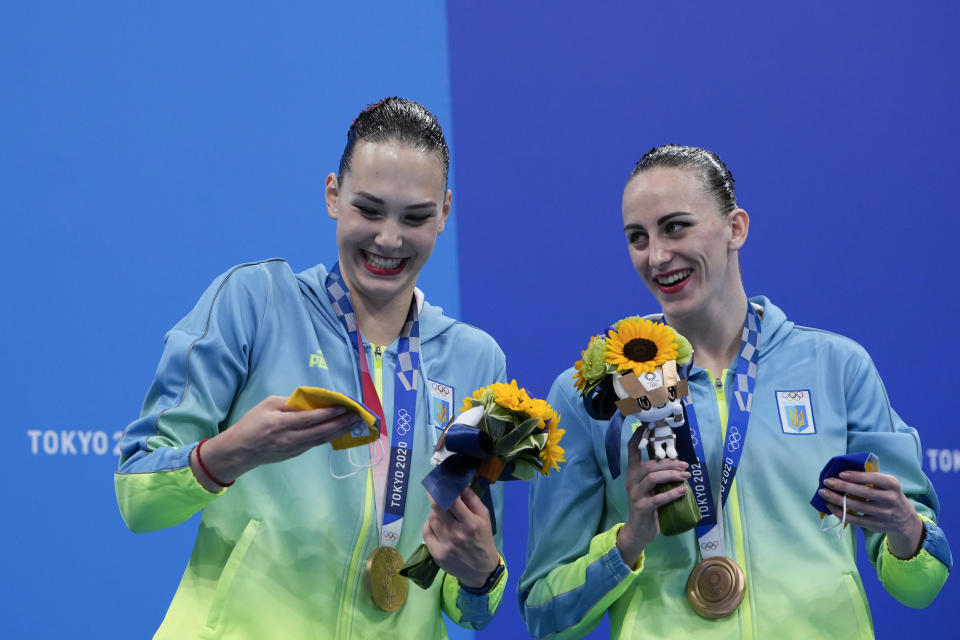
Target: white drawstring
843,522
359,467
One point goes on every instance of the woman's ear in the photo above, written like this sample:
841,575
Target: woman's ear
739,223
331,194
445,210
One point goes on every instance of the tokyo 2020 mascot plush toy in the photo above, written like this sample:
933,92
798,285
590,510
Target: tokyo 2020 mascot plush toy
636,371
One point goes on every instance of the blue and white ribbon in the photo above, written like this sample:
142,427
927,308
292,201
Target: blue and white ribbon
710,527
391,495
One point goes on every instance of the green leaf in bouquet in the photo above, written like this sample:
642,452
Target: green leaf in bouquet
525,445
531,445
510,440
494,427
590,386
478,487
530,457
488,396
420,568
524,470
500,413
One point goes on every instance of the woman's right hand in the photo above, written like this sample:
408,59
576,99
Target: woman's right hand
642,526
269,432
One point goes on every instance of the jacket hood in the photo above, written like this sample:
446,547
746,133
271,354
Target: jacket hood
774,327
312,285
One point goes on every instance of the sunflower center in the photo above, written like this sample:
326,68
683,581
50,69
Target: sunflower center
640,350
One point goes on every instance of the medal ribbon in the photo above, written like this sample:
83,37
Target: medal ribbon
392,479
710,527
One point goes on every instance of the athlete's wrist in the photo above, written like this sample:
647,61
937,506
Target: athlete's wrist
220,464
630,549
490,582
907,543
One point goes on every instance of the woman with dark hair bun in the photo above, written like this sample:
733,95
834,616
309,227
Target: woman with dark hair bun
299,539
770,404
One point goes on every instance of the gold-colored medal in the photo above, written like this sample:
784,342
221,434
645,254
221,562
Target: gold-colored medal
715,587
388,588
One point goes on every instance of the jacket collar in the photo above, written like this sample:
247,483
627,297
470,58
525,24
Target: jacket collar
312,287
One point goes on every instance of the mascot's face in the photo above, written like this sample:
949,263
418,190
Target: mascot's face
655,393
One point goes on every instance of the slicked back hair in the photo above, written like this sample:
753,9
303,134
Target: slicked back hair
716,177
396,120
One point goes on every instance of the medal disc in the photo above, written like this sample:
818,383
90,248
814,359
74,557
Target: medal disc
715,587
388,588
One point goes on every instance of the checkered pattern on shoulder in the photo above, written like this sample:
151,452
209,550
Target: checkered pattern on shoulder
750,352
408,347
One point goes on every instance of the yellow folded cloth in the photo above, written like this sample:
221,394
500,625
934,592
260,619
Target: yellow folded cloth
304,398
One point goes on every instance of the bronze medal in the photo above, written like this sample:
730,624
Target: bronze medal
388,588
715,587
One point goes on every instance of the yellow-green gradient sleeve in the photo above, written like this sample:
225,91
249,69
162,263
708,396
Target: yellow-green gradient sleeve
572,599
470,610
152,501
916,581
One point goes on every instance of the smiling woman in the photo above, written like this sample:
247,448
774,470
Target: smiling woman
299,539
389,209
683,230
758,565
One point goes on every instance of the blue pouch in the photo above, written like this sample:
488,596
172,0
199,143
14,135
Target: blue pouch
864,461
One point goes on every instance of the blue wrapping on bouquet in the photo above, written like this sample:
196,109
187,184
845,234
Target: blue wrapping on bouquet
611,441
470,448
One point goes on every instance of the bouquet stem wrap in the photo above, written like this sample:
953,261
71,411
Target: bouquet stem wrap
680,515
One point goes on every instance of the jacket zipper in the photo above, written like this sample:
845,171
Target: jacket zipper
368,510
736,518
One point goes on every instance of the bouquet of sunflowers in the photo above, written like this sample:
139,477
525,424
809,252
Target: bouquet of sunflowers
633,370
501,434
633,344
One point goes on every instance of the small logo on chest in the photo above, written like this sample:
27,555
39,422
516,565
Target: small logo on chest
317,360
441,401
796,412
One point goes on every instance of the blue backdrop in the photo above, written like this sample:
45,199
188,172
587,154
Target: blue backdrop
146,148
838,121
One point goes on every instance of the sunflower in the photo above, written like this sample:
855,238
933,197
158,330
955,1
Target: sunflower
537,408
509,396
579,382
552,452
639,345
475,400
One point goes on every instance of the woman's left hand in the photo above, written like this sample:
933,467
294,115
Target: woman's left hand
461,541
885,509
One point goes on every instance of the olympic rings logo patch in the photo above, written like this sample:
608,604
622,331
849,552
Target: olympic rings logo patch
439,389
709,546
391,536
793,395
